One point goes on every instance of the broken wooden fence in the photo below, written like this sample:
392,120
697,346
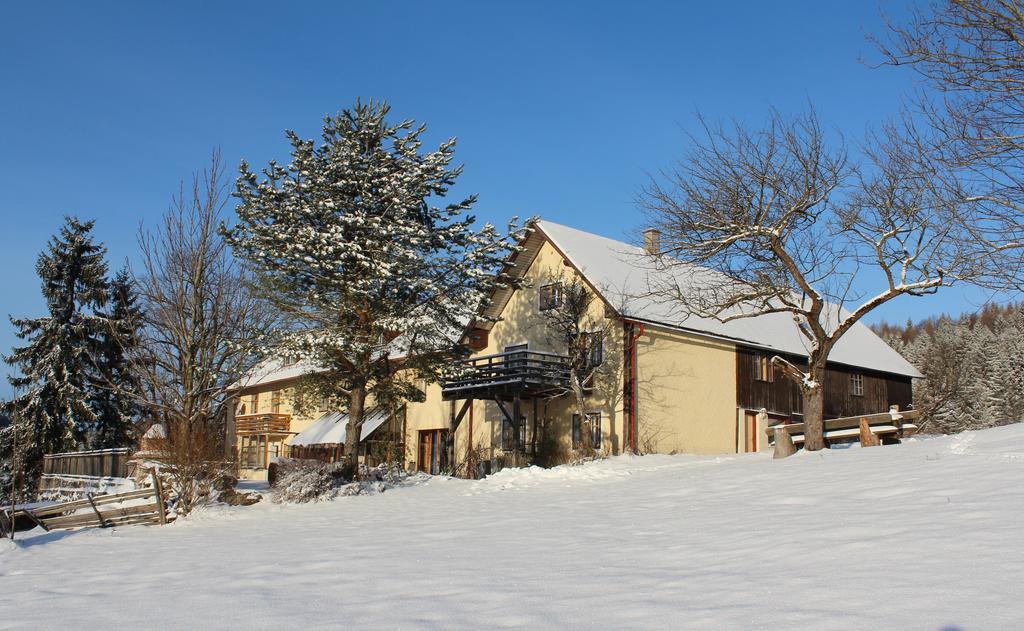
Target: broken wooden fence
87,513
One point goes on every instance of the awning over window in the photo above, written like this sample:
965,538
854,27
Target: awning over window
330,428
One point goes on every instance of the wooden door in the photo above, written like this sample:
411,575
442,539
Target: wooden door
423,461
750,431
431,450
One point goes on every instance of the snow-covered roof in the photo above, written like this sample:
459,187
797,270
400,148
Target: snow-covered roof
331,428
273,370
279,369
156,430
617,270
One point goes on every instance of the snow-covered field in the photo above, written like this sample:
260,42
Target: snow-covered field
927,535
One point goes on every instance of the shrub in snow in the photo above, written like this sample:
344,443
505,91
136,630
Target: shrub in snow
300,481
307,480
228,494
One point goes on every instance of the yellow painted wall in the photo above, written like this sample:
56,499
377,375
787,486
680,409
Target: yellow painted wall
523,322
433,413
264,403
686,393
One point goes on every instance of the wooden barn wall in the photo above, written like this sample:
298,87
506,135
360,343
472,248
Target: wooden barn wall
782,396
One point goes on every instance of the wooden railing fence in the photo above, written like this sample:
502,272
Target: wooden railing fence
112,463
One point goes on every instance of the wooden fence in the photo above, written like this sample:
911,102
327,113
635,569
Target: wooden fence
110,463
323,453
86,513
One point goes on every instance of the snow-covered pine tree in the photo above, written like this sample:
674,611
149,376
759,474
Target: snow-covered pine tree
368,273
116,383
973,367
53,390
15,444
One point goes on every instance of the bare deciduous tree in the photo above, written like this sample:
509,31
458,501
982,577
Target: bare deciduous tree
778,220
970,54
201,329
573,327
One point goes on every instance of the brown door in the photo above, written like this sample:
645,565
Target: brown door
751,431
431,450
423,461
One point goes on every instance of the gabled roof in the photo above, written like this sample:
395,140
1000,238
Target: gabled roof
616,271
276,369
273,370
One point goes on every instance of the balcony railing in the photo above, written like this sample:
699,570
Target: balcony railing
263,424
523,372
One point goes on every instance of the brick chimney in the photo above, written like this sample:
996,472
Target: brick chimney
652,241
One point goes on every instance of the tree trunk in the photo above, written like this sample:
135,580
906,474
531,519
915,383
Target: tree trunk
814,410
356,410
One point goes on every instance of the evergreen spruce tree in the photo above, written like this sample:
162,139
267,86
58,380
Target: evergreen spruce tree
53,392
365,269
973,367
116,383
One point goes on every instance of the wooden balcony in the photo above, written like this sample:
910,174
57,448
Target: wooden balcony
248,424
525,373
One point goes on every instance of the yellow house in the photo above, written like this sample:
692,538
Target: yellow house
668,382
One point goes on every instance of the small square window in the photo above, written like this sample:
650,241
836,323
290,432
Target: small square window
592,345
592,427
507,434
550,296
763,369
857,384
596,343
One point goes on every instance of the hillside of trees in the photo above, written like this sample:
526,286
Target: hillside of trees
973,367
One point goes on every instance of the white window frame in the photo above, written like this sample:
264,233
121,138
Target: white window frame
857,384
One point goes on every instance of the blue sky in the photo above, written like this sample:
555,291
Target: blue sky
560,110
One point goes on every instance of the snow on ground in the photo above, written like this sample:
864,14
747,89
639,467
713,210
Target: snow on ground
926,535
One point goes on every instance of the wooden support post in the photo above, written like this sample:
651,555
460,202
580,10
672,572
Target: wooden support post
504,410
99,516
867,437
784,446
533,436
516,420
159,490
31,516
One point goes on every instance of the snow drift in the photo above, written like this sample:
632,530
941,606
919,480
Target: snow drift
924,535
